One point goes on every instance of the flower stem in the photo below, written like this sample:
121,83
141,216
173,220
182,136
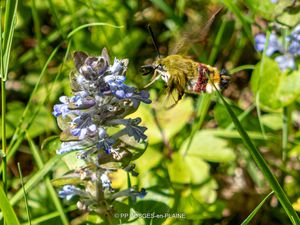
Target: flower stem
3,132
285,125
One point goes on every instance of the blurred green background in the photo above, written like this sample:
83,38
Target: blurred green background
209,175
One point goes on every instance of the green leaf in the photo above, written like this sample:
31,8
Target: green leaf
207,146
51,144
265,80
8,212
66,180
295,151
121,207
72,161
272,120
286,13
276,89
155,207
144,165
264,9
289,87
135,148
207,192
186,170
197,210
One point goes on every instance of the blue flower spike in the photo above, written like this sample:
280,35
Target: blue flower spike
100,100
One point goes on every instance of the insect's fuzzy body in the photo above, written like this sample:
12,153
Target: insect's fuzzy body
185,75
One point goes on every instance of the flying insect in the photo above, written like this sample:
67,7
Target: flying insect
184,75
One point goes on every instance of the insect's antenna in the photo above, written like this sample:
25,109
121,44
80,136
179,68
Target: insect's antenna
154,40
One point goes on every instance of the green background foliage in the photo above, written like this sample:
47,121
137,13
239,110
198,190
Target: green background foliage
195,164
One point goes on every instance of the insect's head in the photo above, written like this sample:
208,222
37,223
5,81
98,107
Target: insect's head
225,78
147,69
158,69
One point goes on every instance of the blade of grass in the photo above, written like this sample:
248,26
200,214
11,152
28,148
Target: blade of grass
3,132
241,68
8,212
37,157
166,9
235,135
49,216
36,21
285,134
245,21
25,194
37,33
263,166
253,213
90,25
1,50
130,202
36,178
10,21
5,45
15,147
215,49
52,8
19,129
242,116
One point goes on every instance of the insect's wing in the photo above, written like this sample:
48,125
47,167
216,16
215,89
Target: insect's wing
190,34
169,99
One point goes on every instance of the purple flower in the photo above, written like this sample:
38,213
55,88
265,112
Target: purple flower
143,96
68,192
116,67
114,80
105,144
102,133
286,59
274,1
294,40
60,109
142,193
259,41
294,48
93,67
69,146
123,91
119,67
274,44
106,183
89,131
285,62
